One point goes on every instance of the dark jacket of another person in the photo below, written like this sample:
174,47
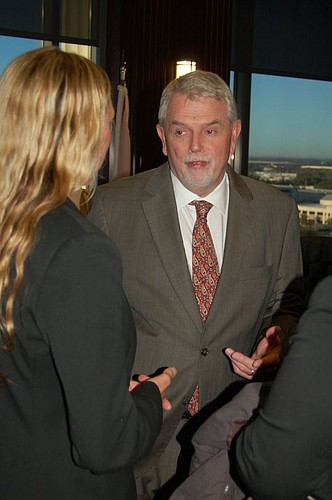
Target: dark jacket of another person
70,429
286,453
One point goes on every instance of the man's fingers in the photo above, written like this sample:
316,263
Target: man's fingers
243,365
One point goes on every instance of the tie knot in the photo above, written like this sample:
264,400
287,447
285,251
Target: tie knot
202,208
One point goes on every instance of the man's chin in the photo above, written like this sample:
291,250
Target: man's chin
197,184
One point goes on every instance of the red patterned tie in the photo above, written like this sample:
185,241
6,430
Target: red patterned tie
205,273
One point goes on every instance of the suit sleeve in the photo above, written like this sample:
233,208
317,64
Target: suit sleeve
286,451
288,297
84,316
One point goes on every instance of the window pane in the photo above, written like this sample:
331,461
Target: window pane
11,47
52,19
290,143
82,50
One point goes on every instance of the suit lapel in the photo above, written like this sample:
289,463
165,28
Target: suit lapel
161,214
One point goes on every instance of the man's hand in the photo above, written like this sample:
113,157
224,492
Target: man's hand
264,359
162,381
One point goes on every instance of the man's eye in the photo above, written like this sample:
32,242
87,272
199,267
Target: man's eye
179,132
210,131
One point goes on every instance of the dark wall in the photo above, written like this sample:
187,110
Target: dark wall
153,34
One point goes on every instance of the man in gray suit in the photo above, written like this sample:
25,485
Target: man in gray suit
255,230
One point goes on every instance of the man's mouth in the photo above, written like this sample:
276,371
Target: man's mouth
196,164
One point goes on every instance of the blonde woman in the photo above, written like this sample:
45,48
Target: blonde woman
70,427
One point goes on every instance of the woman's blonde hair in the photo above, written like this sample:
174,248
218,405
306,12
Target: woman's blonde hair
52,118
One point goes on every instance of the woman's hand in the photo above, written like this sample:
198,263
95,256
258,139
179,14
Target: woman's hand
162,381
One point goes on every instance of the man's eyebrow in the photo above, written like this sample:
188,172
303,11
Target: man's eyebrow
214,122
176,122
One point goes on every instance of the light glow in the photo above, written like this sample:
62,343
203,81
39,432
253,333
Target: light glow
184,67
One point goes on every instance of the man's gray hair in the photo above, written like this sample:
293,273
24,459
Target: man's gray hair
195,85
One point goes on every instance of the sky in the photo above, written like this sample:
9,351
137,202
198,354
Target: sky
289,117
11,47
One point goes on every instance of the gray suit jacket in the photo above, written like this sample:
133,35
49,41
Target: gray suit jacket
262,256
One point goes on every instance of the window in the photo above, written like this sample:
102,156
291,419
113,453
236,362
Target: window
290,122
74,25
11,47
283,87
289,142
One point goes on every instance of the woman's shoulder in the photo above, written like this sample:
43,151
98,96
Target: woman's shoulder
66,222
66,229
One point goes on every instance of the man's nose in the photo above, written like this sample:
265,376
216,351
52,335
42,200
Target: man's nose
195,143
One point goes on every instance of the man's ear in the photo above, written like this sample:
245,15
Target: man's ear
236,130
162,136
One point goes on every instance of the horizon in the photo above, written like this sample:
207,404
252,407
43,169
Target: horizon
323,162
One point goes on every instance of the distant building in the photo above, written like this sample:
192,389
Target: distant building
317,167
317,212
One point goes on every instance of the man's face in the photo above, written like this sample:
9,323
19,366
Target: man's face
198,140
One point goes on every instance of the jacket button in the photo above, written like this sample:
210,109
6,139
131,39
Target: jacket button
204,351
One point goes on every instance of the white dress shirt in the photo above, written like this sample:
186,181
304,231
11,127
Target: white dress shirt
217,216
